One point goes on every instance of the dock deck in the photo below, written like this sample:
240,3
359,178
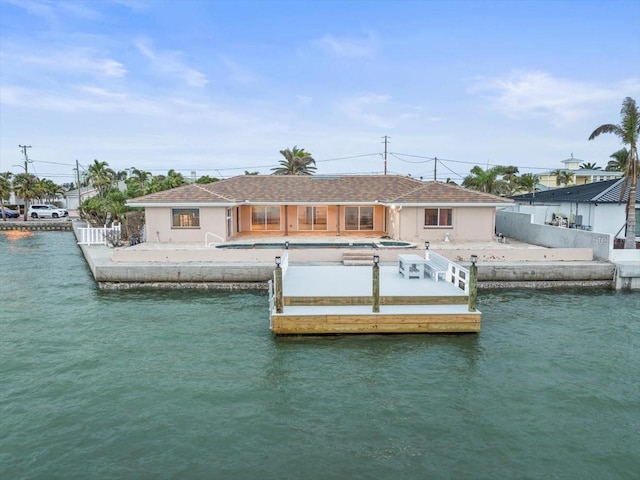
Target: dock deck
339,299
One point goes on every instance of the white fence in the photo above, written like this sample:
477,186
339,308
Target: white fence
101,236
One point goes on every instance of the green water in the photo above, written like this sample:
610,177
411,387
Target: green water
191,384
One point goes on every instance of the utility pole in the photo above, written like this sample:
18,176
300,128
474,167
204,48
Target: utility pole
435,169
386,138
26,157
78,180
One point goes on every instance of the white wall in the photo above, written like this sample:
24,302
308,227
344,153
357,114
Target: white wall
602,218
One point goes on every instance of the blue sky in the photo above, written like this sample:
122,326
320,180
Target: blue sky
220,87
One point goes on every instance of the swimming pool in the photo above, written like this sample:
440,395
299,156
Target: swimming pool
290,245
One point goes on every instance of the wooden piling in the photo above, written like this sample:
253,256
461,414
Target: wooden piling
473,287
278,287
376,288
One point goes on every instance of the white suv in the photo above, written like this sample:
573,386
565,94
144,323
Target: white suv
46,211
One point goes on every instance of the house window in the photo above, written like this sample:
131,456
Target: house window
358,218
438,217
312,218
265,218
185,218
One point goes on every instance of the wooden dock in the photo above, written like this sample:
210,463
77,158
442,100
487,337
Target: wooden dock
340,299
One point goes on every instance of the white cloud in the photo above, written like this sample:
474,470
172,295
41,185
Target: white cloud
348,47
532,94
72,60
238,73
53,10
170,63
376,110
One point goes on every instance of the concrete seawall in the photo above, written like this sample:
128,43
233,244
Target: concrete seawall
254,273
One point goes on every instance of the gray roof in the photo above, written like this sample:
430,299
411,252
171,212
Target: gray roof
602,192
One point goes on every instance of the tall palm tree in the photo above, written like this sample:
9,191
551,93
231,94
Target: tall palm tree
48,190
487,181
25,186
5,191
137,182
296,162
174,179
627,131
101,176
619,162
590,166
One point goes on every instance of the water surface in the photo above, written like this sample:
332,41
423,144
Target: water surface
191,384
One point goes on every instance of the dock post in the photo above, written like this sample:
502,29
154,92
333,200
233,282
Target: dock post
376,284
278,286
473,284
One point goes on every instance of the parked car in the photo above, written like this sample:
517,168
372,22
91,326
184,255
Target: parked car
46,211
9,213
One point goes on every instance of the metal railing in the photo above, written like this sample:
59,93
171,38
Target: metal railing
206,239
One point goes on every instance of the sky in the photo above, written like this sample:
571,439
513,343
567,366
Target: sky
220,87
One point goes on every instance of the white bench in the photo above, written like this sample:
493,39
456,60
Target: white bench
436,266
410,266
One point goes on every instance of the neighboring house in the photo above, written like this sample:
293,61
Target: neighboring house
581,176
77,196
401,208
594,206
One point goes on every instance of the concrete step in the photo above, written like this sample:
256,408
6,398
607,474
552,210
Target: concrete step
357,258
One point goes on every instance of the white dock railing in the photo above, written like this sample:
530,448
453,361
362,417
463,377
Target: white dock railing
101,236
272,303
284,259
459,276
455,274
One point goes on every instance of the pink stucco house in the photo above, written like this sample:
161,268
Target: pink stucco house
401,208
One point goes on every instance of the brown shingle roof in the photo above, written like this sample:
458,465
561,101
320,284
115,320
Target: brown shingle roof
343,189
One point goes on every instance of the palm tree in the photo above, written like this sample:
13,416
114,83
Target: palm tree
5,191
528,181
563,177
619,162
589,166
48,190
296,162
137,182
203,180
26,187
101,177
627,132
174,179
487,181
